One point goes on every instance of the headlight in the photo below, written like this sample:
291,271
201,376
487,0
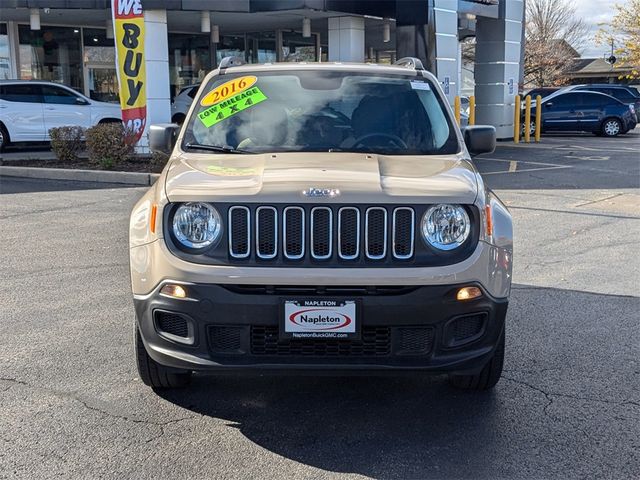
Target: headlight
196,225
446,227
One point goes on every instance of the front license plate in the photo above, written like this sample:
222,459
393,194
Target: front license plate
320,318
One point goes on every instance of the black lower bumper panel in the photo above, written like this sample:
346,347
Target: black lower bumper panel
400,328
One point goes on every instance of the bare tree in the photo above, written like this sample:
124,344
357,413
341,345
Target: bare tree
554,34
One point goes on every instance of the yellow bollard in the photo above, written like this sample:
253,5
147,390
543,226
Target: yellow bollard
472,110
538,117
516,121
527,119
456,109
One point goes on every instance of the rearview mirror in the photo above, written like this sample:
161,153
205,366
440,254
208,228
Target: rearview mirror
480,139
162,137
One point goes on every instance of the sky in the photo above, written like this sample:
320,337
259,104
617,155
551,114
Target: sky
594,12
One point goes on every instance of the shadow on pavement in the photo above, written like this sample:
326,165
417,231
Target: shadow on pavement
558,384
9,185
376,426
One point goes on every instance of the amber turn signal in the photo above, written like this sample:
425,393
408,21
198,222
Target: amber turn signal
489,220
176,291
468,293
152,220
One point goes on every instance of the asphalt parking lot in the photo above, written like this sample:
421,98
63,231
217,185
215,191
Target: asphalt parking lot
568,405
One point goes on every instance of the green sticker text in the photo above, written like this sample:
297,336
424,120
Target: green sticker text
218,112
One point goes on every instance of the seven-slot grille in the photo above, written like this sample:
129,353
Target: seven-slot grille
322,233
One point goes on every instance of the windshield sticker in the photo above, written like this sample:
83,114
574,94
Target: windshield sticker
417,85
228,89
230,107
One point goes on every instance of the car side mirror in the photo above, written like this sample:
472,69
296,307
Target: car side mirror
162,137
81,101
548,104
480,139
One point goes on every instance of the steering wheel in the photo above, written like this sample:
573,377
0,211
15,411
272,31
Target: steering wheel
397,141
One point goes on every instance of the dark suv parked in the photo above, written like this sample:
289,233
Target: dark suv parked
577,111
624,93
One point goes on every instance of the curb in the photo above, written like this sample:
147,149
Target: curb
95,176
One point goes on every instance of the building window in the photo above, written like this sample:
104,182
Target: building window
296,48
189,60
99,56
230,46
261,47
53,54
5,63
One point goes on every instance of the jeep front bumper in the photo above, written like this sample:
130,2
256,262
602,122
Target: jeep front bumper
236,327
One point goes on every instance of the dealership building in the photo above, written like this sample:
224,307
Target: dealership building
474,47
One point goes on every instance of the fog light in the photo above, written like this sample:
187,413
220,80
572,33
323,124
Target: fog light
176,291
468,293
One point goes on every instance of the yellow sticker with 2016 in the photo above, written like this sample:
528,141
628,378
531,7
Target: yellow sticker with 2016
228,89
232,106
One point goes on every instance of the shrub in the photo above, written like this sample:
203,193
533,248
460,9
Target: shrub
109,144
66,142
158,161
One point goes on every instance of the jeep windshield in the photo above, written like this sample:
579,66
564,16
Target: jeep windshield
320,111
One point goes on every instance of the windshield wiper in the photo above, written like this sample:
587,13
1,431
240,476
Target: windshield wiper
215,148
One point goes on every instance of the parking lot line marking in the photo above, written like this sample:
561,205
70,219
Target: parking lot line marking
513,165
588,158
574,212
527,170
595,149
527,162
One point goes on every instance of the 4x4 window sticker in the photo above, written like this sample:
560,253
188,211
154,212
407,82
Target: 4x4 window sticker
229,99
228,89
232,106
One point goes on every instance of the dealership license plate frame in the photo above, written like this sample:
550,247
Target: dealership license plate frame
311,302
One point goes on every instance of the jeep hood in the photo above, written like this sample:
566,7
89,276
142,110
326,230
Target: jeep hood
282,178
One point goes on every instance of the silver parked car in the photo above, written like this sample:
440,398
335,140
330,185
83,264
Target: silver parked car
182,102
321,216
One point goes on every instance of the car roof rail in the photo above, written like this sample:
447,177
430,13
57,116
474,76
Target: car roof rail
227,62
410,62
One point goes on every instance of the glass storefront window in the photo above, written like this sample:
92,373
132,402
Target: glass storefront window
100,65
261,47
296,48
189,60
5,66
230,46
97,47
53,54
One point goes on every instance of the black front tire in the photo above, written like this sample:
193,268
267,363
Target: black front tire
4,137
155,375
488,376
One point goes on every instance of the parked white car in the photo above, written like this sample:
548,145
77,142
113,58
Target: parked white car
29,109
182,102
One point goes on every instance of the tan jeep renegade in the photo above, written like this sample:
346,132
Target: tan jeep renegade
320,217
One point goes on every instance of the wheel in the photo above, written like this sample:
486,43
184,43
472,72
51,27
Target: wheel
532,129
611,127
152,373
488,376
4,137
